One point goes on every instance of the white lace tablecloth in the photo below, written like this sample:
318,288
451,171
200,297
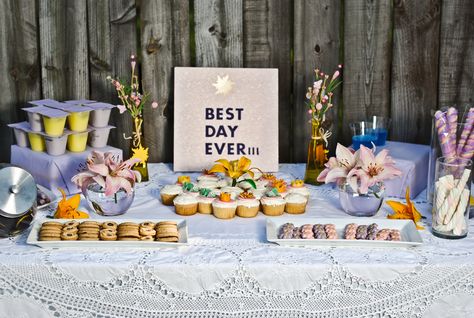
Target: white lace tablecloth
228,270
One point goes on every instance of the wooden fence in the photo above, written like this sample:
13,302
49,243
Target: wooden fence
401,58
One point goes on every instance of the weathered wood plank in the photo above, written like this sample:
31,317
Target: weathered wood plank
19,65
367,58
164,44
316,44
414,69
112,40
267,44
218,27
63,43
456,68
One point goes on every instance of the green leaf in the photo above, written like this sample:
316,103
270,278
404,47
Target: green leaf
252,183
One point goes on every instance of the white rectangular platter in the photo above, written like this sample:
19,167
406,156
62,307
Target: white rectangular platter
408,232
36,226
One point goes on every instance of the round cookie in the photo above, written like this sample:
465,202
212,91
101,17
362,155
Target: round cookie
69,236
147,238
71,223
147,231
82,238
92,223
148,224
70,229
50,230
167,223
108,235
173,239
109,225
128,238
53,224
49,238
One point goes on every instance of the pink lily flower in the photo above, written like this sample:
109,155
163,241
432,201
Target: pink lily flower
338,167
373,169
336,75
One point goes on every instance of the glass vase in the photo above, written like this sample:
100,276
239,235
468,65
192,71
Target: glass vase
138,150
317,152
117,204
451,197
356,204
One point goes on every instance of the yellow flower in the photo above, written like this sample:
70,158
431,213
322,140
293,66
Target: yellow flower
67,208
406,211
297,183
141,154
280,185
233,169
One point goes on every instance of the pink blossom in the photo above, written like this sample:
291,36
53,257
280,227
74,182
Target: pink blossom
338,167
122,108
319,106
336,75
154,105
310,111
339,66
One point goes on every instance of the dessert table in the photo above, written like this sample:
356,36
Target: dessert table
229,270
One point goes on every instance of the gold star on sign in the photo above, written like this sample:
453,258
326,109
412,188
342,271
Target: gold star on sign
223,85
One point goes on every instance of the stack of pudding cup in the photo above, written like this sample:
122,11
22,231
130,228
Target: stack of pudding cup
45,129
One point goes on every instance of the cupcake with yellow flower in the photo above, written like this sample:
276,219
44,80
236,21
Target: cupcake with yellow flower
297,186
247,205
185,204
272,203
207,176
280,186
295,203
224,207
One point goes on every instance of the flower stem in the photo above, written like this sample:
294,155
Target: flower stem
115,197
234,182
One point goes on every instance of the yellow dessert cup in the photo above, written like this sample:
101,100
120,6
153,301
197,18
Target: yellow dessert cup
54,126
77,142
37,142
78,121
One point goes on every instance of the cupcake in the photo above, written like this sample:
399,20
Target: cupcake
207,184
297,186
272,203
234,191
247,205
223,183
266,179
295,203
207,176
169,192
185,204
205,199
191,188
224,207
280,186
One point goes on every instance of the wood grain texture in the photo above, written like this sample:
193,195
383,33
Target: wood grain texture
219,29
112,40
161,23
367,59
64,49
414,80
316,44
19,65
267,44
456,61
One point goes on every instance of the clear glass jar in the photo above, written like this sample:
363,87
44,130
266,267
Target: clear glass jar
452,193
117,204
356,204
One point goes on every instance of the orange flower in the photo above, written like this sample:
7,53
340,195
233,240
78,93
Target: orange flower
280,185
67,208
297,183
406,211
225,197
246,195
268,176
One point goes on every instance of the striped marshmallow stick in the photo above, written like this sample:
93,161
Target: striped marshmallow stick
450,202
466,132
452,119
443,134
468,149
461,184
459,218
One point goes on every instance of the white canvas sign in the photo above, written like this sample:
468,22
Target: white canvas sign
225,113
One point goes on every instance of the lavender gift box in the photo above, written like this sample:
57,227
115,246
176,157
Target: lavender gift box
412,160
54,171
